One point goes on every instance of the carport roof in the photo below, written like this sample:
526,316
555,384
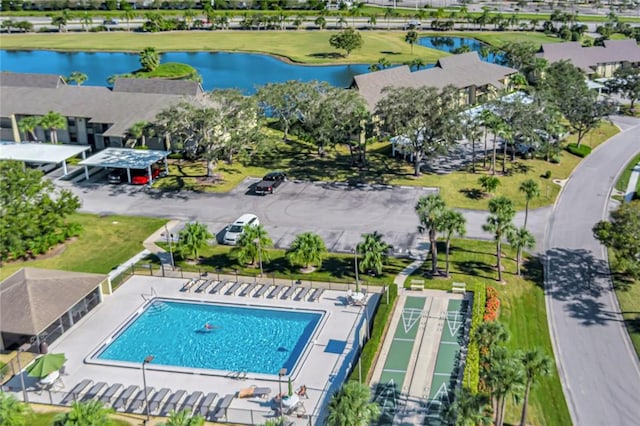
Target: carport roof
39,152
125,158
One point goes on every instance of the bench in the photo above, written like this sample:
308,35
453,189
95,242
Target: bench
247,290
458,288
290,292
218,287
203,287
417,285
274,294
315,297
234,288
221,410
187,286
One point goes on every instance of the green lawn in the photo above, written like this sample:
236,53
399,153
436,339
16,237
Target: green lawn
628,293
105,242
310,47
337,268
46,419
301,161
522,310
623,181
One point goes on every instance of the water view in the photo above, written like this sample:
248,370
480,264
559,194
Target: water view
451,44
219,70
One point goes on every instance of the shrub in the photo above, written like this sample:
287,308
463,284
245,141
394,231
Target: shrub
581,151
472,365
175,156
492,306
547,174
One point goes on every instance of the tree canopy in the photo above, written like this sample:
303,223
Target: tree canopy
347,40
622,234
33,213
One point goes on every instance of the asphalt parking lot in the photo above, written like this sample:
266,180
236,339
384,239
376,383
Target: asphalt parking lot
338,212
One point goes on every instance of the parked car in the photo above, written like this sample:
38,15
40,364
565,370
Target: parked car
237,228
117,176
141,176
110,22
413,25
270,182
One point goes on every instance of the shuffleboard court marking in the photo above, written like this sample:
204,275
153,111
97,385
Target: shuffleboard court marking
455,320
441,396
402,339
391,370
410,316
388,393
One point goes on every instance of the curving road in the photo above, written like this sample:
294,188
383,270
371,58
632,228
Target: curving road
598,367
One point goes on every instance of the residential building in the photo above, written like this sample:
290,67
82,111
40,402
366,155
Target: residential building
595,61
477,80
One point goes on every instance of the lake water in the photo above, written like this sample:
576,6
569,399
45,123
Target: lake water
219,70
449,44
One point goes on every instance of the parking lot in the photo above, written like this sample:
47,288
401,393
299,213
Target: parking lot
338,212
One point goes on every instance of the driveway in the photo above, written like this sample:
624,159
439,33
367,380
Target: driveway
598,366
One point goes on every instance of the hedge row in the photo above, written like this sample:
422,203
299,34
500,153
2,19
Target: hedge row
472,366
373,346
581,151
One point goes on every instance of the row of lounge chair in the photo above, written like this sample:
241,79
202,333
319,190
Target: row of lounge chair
254,289
161,402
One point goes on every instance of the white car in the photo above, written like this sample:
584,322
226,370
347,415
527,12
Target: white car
237,228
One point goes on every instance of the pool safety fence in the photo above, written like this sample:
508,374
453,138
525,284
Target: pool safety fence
61,394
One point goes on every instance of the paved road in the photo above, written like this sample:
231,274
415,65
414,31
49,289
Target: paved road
599,369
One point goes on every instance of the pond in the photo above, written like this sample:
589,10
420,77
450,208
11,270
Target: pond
450,44
219,70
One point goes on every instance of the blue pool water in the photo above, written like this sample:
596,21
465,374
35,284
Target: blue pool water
254,340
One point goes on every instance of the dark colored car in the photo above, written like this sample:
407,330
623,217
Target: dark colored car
117,176
270,182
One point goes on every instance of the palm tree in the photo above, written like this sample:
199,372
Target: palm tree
520,239
78,77
374,252
53,121
500,222
535,364
452,222
416,63
192,238
472,133
321,22
351,405
149,59
488,335
470,409
507,377
12,411
430,210
388,14
27,126
91,412
531,190
487,118
518,81
412,38
355,11
140,130
488,183
505,131
252,245
372,21
86,20
128,14
183,418
307,250
188,17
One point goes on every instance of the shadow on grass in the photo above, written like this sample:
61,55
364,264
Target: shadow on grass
475,268
472,193
326,55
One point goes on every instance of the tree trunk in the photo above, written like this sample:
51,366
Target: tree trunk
210,167
484,160
144,140
503,402
523,419
416,163
434,251
447,259
504,158
499,263
493,157
518,258
473,156
526,213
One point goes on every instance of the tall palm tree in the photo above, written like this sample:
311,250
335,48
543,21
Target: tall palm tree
520,239
412,38
430,210
12,411
352,406
53,121
531,190
321,22
27,126
500,222
374,252
487,118
472,133
535,364
355,11
506,132
470,409
508,380
498,127
307,250
86,20
183,418
192,238
78,77
452,222
128,14
252,245
91,412
388,14
488,335
372,21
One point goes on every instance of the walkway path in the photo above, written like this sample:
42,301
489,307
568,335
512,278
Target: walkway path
598,367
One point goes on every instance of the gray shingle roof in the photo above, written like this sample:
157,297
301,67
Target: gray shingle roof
158,86
32,299
458,70
12,79
587,58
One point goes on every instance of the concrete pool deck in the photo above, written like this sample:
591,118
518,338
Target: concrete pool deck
317,367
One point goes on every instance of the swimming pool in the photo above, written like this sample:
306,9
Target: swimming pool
240,338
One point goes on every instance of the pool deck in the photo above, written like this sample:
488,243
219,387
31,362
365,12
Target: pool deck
316,368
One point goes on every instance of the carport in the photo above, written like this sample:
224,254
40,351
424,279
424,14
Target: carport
41,153
126,158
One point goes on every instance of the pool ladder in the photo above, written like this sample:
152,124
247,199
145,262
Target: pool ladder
147,297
